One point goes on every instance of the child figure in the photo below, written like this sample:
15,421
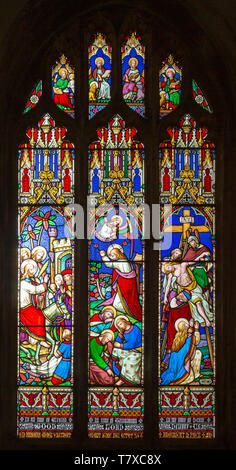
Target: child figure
63,370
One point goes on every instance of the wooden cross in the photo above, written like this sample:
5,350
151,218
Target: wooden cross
187,225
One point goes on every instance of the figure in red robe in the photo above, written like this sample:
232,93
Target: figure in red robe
125,296
197,251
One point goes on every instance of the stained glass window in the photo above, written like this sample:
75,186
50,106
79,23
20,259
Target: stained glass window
133,71
46,278
199,97
116,284
170,83
34,97
187,284
100,57
111,318
63,86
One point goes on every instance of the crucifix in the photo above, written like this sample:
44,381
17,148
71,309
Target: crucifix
187,226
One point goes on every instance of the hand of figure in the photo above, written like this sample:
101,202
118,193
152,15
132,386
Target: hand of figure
191,322
116,344
110,373
102,253
46,278
165,301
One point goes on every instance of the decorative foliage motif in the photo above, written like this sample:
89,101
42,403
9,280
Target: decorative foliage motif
187,412
100,55
44,413
118,409
116,290
133,69
170,82
63,86
34,97
46,165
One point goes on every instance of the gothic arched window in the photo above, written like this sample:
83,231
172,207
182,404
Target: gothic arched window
117,331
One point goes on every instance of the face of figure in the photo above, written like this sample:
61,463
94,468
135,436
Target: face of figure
169,268
106,337
68,279
170,74
115,221
99,64
58,280
113,255
132,64
63,74
31,270
107,315
24,254
39,256
66,334
176,254
122,325
193,243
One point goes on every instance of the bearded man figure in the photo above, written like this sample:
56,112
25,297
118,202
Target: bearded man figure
125,296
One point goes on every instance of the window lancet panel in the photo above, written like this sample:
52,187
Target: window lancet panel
170,85
187,284
100,59
133,73
45,323
63,86
116,284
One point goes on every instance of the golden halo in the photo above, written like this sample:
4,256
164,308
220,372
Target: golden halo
168,69
180,320
133,58
109,307
62,69
118,218
99,59
39,248
109,331
114,245
24,248
28,262
120,317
